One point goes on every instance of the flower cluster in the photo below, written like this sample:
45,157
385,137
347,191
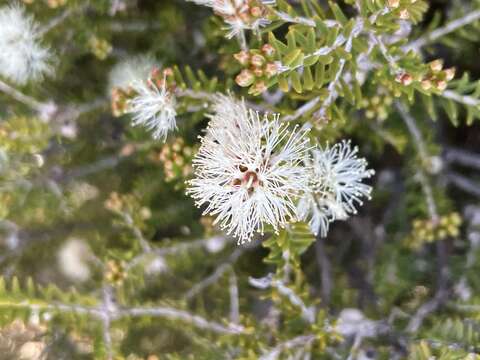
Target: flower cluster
336,187
259,67
427,231
435,79
152,103
238,14
22,57
249,170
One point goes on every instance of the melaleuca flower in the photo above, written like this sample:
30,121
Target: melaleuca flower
336,187
153,107
239,14
248,170
131,70
22,57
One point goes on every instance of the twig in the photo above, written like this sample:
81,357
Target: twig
308,313
218,273
324,268
234,299
294,19
302,110
274,353
425,310
441,246
31,102
464,183
383,49
115,313
463,99
107,307
332,87
58,20
413,129
445,30
144,244
175,314
463,157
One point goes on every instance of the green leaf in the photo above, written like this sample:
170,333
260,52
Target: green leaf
293,58
308,82
296,83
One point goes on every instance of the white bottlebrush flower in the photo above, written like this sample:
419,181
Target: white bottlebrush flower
239,15
73,260
131,70
154,108
336,187
22,56
248,170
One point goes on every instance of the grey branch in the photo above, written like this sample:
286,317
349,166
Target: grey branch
31,102
445,30
175,314
234,298
115,313
425,310
422,150
308,313
464,184
274,353
463,157
58,20
463,99
332,87
217,274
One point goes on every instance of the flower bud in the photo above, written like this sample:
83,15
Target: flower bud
242,57
426,85
436,65
271,69
259,87
268,50
404,14
393,4
245,78
404,78
441,85
258,60
258,72
168,72
450,74
256,11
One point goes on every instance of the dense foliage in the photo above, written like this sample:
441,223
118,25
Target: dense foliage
105,254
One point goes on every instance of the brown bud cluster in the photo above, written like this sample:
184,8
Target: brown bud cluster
176,157
377,107
401,8
259,66
437,78
159,78
427,231
119,100
101,48
115,272
246,11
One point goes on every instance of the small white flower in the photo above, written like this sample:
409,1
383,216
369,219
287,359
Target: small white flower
154,108
22,57
237,14
249,170
352,322
130,71
215,244
336,187
73,260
